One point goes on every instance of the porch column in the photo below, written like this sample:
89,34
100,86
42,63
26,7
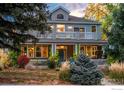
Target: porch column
77,49
27,51
53,49
103,51
54,32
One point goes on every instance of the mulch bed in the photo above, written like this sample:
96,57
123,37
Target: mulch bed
17,76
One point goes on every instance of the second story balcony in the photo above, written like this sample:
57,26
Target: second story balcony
70,35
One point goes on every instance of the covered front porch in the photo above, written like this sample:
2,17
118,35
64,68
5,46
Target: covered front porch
65,50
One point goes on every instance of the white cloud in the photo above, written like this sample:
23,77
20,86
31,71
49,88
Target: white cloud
76,8
77,12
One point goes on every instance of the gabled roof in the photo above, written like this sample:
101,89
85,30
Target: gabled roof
74,19
80,19
71,19
60,7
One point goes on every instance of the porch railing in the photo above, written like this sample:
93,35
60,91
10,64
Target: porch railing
69,35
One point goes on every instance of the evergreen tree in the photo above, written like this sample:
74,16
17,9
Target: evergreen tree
16,19
85,72
116,36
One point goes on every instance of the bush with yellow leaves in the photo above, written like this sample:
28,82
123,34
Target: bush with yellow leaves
4,60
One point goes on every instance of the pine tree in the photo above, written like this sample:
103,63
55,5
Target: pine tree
85,72
116,36
16,19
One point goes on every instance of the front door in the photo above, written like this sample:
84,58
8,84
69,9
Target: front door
61,54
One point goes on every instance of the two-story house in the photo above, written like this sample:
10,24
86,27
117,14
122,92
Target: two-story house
70,35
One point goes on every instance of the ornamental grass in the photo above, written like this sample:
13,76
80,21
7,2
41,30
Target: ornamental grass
116,72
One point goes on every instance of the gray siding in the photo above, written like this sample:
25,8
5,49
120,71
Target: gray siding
59,11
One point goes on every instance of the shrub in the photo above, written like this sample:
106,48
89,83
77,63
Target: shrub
110,60
64,73
4,60
116,72
13,58
85,72
22,61
53,61
75,56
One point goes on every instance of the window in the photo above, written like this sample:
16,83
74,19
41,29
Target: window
30,51
82,29
76,29
94,49
60,28
93,28
70,28
60,16
38,51
24,50
52,26
82,49
44,51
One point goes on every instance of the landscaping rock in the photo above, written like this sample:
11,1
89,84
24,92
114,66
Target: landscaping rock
107,82
30,67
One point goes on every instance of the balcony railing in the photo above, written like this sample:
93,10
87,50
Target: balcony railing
69,35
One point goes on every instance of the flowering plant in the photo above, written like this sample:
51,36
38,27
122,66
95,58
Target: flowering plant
23,60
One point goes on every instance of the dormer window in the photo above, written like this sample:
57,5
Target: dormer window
60,16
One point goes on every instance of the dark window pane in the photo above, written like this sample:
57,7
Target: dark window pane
76,29
60,16
93,28
38,54
38,49
25,49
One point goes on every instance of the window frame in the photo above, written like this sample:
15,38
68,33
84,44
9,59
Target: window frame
92,28
37,51
59,28
59,16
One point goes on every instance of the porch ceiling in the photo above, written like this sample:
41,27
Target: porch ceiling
70,41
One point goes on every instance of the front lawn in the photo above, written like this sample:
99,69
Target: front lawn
36,77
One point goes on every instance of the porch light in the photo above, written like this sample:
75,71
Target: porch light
61,47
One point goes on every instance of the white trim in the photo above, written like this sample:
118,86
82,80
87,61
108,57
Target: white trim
27,50
76,49
53,48
71,22
60,7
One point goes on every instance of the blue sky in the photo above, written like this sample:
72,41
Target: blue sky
76,9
